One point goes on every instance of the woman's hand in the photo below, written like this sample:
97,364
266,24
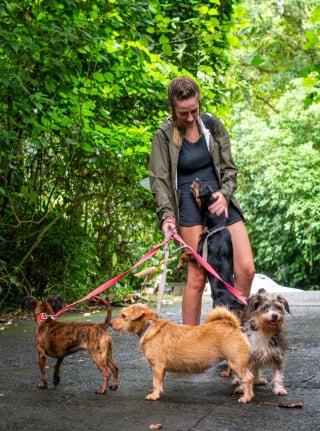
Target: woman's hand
168,225
220,205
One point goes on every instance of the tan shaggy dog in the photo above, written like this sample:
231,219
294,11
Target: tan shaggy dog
170,346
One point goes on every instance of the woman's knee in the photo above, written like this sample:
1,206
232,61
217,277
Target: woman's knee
196,278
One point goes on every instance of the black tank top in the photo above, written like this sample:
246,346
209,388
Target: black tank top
195,162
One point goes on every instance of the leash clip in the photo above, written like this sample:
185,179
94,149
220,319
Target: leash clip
44,316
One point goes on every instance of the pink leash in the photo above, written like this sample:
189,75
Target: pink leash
210,269
114,280
111,282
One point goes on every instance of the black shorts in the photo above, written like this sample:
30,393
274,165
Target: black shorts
189,212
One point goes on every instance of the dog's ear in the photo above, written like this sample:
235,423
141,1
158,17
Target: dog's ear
29,303
256,300
206,193
208,189
56,302
284,302
262,291
138,312
195,188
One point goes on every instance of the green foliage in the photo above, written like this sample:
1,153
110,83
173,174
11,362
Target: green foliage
82,90
274,43
280,187
273,85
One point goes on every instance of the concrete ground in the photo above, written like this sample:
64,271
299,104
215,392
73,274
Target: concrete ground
203,402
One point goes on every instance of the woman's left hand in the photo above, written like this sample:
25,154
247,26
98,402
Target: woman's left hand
220,205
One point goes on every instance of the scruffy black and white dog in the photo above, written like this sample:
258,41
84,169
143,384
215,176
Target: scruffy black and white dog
263,322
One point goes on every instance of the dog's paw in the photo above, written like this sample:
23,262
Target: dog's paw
153,396
101,391
43,385
260,381
113,387
245,399
246,390
226,373
279,390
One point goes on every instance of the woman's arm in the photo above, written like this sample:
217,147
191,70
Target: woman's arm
160,178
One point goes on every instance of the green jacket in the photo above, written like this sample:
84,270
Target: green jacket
164,160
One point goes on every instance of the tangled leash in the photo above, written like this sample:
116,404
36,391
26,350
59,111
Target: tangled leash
168,237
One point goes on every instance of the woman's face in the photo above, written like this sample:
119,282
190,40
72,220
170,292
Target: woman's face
187,111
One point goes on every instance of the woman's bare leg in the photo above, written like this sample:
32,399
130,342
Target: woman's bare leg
196,279
243,265
244,269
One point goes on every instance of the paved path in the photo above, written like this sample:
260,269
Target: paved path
203,402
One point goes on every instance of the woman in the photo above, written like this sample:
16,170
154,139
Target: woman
183,149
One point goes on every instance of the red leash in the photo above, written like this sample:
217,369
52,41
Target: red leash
114,280
111,282
212,271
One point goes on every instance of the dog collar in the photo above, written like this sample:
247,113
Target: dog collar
144,329
43,316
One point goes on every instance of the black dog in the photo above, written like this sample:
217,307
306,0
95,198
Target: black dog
215,246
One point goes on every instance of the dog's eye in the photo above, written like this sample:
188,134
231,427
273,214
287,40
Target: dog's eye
265,307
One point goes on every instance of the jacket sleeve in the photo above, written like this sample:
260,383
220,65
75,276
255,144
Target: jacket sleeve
227,168
161,183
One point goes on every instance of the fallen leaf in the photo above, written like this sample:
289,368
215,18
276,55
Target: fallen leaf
288,405
291,405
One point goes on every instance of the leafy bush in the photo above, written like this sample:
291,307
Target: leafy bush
279,188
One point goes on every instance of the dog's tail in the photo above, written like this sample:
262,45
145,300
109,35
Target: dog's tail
222,313
106,304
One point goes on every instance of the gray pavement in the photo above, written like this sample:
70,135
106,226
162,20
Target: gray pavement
189,403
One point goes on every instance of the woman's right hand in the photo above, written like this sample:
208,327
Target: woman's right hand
220,204
168,226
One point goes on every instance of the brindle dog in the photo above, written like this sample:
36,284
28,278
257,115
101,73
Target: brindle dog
60,339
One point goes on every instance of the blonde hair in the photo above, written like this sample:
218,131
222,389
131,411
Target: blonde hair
180,88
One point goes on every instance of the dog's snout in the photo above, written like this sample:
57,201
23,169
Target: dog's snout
274,316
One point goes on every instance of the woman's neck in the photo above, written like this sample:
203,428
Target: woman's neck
192,134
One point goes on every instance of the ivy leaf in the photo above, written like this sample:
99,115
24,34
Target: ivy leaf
257,60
